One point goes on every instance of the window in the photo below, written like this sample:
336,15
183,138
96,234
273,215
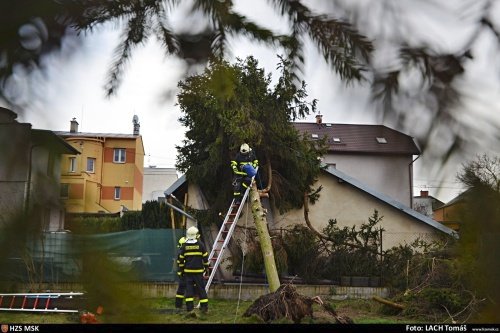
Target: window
118,192
90,164
336,140
314,136
64,191
119,155
72,164
381,140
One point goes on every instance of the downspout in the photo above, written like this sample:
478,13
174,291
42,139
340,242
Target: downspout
28,182
410,171
99,183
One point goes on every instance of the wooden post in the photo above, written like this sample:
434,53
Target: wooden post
172,217
174,240
266,246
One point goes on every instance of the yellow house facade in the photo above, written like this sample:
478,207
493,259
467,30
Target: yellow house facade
107,175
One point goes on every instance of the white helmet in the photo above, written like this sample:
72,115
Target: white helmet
244,149
192,233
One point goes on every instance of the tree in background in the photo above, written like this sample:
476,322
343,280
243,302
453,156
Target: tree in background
480,231
231,104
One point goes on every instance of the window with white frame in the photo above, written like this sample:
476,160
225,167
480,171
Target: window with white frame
90,164
72,164
118,192
119,155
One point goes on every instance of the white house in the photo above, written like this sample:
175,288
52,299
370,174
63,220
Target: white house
376,155
155,181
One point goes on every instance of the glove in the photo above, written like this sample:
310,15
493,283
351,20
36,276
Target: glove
180,273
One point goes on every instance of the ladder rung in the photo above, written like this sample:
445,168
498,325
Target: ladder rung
225,232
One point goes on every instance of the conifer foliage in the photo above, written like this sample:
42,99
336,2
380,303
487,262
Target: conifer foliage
227,105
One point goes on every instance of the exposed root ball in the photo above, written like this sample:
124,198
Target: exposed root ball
286,302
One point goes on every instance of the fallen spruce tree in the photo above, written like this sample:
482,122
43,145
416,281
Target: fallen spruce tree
287,303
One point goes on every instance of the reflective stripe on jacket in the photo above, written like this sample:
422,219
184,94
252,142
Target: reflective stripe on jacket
241,160
193,256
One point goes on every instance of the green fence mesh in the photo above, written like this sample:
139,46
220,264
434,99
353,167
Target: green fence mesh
147,254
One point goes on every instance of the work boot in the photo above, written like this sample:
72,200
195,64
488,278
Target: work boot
179,302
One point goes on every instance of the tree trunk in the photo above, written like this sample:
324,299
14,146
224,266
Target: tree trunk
389,303
259,217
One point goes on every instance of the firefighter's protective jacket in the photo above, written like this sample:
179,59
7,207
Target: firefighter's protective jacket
193,256
242,159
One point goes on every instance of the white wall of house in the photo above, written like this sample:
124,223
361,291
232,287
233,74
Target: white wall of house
351,206
155,181
388,174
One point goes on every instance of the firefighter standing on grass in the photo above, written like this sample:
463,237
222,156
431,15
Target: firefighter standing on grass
181,289
243,165
194,258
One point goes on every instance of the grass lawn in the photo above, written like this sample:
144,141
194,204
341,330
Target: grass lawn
161,311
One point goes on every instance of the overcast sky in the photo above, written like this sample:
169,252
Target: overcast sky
73,87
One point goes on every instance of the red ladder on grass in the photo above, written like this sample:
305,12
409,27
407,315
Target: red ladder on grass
224,235
39,302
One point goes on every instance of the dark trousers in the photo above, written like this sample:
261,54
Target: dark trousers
240,185
181,290
194,281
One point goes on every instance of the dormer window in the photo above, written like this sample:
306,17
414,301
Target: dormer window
381,140
314,136
336,140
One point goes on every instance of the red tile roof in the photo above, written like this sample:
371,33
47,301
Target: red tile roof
361,138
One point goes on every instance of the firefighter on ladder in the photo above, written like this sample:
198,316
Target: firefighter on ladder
243,166
194,258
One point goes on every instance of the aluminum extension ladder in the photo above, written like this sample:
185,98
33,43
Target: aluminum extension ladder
224,235
40,302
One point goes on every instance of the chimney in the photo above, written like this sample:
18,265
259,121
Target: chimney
319,119
424,194
73,126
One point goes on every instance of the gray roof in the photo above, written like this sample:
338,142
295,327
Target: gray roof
178,183
390,201
348,138
53,141
356,183
95,135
